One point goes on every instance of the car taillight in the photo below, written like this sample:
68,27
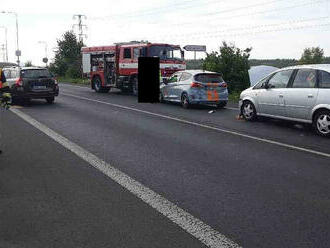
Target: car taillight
224,85
196,85
19,82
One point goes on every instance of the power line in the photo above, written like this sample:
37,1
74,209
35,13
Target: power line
252,27
136,15
153,11
240,34
254,13
80,26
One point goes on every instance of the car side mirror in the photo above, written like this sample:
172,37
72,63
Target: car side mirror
165,81
269,86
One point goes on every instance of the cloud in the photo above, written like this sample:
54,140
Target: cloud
206,22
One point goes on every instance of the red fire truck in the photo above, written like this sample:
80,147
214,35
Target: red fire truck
117,65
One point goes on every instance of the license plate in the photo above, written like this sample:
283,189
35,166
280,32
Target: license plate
212,95
39,87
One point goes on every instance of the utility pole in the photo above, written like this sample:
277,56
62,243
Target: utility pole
45,59
3,49
80,26
17,52
5,28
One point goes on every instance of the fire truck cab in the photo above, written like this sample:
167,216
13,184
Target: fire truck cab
117,65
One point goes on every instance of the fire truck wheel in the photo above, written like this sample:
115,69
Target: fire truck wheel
97,84
135,86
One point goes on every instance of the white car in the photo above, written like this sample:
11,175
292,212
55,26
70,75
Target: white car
191,87
299,93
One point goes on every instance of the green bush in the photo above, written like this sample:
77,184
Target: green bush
232,63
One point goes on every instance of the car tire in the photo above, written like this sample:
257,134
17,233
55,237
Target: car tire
321,123
98,86
126,91
185,101
249,111
221,105
50,100
135,87
26,101
161,97
106,90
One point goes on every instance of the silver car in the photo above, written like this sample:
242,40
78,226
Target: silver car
299,93
195,87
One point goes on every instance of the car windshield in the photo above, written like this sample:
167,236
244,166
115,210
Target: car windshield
209,78
165,52
35,73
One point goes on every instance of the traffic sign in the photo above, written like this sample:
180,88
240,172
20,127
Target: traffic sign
195,48
45,60
18,53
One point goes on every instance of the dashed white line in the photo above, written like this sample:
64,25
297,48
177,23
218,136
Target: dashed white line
186,221
302,149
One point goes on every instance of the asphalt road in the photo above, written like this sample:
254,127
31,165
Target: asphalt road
252,182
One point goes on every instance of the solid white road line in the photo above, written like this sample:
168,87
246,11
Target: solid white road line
302,149
236,109
76,86
186,221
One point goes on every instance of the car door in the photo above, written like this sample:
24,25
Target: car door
271,98
170,89
183,85
301,95
7,73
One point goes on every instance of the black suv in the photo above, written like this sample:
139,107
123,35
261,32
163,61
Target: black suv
28,83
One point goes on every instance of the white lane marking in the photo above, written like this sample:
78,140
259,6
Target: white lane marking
186,221
87,87
76,86
231,108
302,149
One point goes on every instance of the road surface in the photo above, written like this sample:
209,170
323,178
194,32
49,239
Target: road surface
262,184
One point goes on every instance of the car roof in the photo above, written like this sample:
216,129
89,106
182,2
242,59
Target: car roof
324,67
26,68
194,72
33,68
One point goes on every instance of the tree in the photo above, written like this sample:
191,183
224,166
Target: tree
28,63
313,55
67,60
232,63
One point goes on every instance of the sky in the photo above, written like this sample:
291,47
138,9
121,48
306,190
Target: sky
273,28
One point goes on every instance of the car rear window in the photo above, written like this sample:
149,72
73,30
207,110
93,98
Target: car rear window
324,79
37,73
209,78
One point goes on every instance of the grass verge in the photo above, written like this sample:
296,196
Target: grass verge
234,96
78,81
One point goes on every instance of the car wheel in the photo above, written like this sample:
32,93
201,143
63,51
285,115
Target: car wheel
161,97
97,84
50,100
26,101
106,90
221,105
321,123
185,101
135,86
249,111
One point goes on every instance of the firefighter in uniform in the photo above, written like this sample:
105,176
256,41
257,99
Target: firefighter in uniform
5,97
